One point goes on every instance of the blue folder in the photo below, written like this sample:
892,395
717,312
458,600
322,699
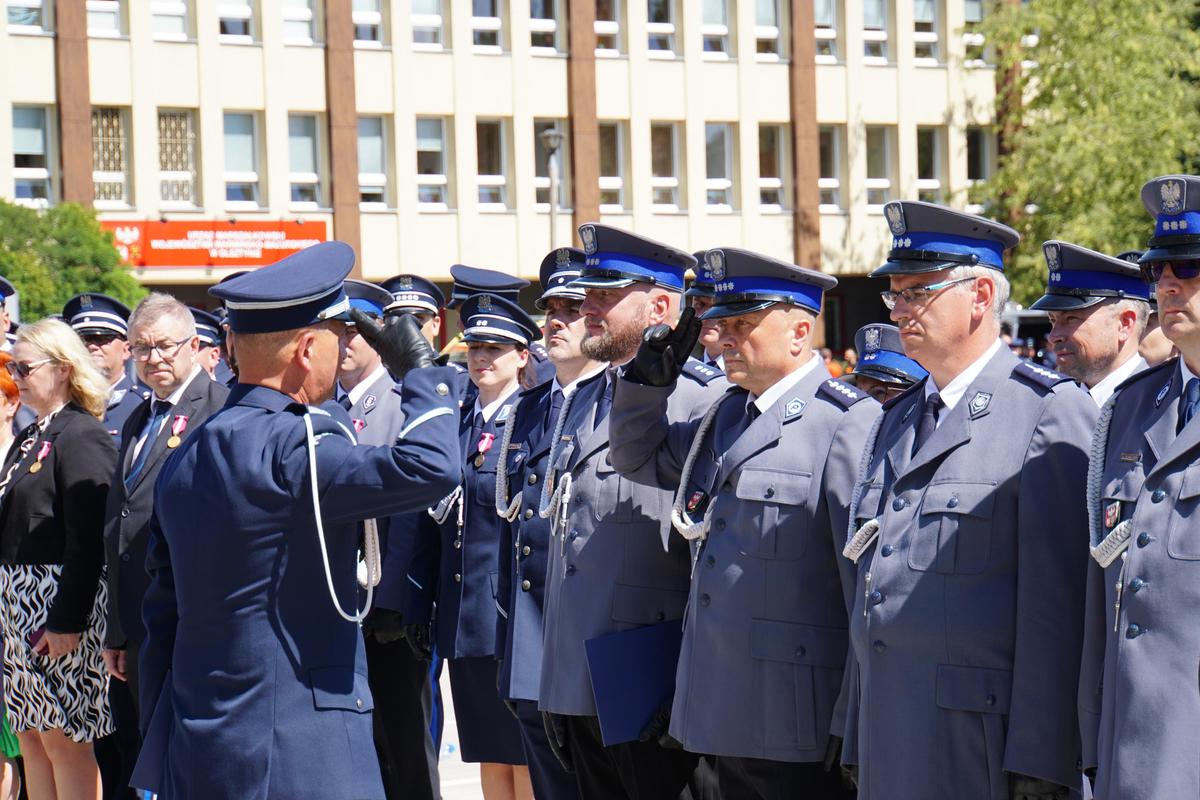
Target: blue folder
633,676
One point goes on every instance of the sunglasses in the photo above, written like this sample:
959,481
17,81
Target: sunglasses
24,370
100,339
1183,270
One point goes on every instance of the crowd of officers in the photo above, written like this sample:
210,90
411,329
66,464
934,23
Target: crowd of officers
953,573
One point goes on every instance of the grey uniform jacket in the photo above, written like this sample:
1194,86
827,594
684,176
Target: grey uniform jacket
608,568
1139,692
968,618
765,636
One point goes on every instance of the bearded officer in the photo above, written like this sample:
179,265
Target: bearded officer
253,673
1139,708
763,481
883,371
103,325
968,515
1098,307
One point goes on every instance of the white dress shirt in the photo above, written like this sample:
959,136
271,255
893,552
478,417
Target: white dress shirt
958,386
1104,389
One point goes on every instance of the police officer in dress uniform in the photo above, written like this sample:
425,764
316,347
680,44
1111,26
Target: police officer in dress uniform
1098,307
763,482
254,679
525,543
399,679
1155,347
412,294
103,324
1138,704
966,523
474,280
700,297
614,564
883,371
210,330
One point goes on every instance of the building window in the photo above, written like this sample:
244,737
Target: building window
975,54
925,32
110,158
487,26
880,162
715,29
28,16
543,27
31,155
981,156
660,28
177,167
236,21
304,161
432,174
241,162
772,168
541,164
104,18
372,163
428,25
299,22
875,31
608,28
170,20
490,148
718,158
367,17
825,23
829,183
665,166
612,167
930,152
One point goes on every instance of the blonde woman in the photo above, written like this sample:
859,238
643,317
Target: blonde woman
53,485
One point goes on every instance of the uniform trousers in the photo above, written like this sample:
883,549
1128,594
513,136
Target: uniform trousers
117,753
550,780
633,770
760,779
403,694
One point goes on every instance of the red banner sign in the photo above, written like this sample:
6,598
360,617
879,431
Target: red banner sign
211,243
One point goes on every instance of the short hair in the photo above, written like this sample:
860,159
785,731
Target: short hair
8,387
157,306
56,340
1139,307
1003,287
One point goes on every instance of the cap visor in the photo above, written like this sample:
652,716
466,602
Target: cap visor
697,291
884,377
1063,302
736,309
483,338
901,267
558,291
600,283
1183,252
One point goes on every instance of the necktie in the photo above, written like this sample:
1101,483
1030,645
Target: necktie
556,404
604,403
476,434
928,422
345,402
1189,404
158,412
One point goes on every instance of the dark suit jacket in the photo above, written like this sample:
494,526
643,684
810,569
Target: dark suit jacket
127,514
55,515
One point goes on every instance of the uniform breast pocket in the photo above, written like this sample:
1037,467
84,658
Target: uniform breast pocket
772,515
954,534
1183,541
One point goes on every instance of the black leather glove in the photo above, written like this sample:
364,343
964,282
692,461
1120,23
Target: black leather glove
417,636
398,340
384,625
509,704
664,350
1023,787
658,725
833,753
556,733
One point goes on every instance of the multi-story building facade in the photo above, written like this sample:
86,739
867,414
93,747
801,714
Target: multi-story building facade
213,135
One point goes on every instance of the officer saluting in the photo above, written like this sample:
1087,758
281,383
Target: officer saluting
253,675
1139,708
883,371
763,481
967,521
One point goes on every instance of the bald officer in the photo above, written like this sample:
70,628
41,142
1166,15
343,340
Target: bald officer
254,678
967,519
763,481
1098,307
1138,699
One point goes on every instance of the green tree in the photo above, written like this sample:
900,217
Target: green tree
1109,101
53,255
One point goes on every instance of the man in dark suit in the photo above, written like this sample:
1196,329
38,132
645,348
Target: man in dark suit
165,349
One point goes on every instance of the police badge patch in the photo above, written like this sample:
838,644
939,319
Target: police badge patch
1112,514
1162,393
1173,195
979,403
587,235
715,259
895,218
562,257
794,406
1051,251
871,339
485,303
369,402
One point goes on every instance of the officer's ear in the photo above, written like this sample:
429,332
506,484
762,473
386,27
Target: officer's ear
984,299
801,327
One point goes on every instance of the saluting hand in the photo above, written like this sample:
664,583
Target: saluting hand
60,644
664,351
398,340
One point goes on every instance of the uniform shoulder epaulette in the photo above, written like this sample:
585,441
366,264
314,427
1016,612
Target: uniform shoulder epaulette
1038,375
1148,372
700,372
840,394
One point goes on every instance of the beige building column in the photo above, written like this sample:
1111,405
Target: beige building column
343,125
581,104
74,102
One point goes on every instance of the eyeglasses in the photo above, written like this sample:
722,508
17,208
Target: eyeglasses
167,350
100,339
918,294
19,370
1183,270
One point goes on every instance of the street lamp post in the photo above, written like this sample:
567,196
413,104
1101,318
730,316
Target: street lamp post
552,140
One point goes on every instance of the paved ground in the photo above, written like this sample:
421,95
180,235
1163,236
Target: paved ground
459,781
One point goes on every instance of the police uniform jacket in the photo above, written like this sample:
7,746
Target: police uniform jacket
127,395
1139,702
615,565
252,685
766,636
968,612
54,514
128,510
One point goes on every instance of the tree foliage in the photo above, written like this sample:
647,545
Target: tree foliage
1110,101
53,255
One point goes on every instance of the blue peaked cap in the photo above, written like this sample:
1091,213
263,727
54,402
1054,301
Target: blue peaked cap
475,280
208,327
746,282
414,293
1080,278
703,283
617,258
491,318
367,297
927,237
559,268
881,356
90,313
1174,202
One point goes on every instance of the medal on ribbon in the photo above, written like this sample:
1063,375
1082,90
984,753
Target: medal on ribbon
485,444
177,427
42,452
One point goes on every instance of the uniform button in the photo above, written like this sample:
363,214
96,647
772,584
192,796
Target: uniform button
574,535
442,389
529,513
1136,585
125,556
877,597
705,599
124,512
457,577
532,479
898,504
799,652
526,585
878,646
570,569
526,550
710,560
358,702
991,700
1134,631
952,502
1143,539
770,492
1158,496
886,550
720,524
458,543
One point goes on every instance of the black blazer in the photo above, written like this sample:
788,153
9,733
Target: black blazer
56,514
127,514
